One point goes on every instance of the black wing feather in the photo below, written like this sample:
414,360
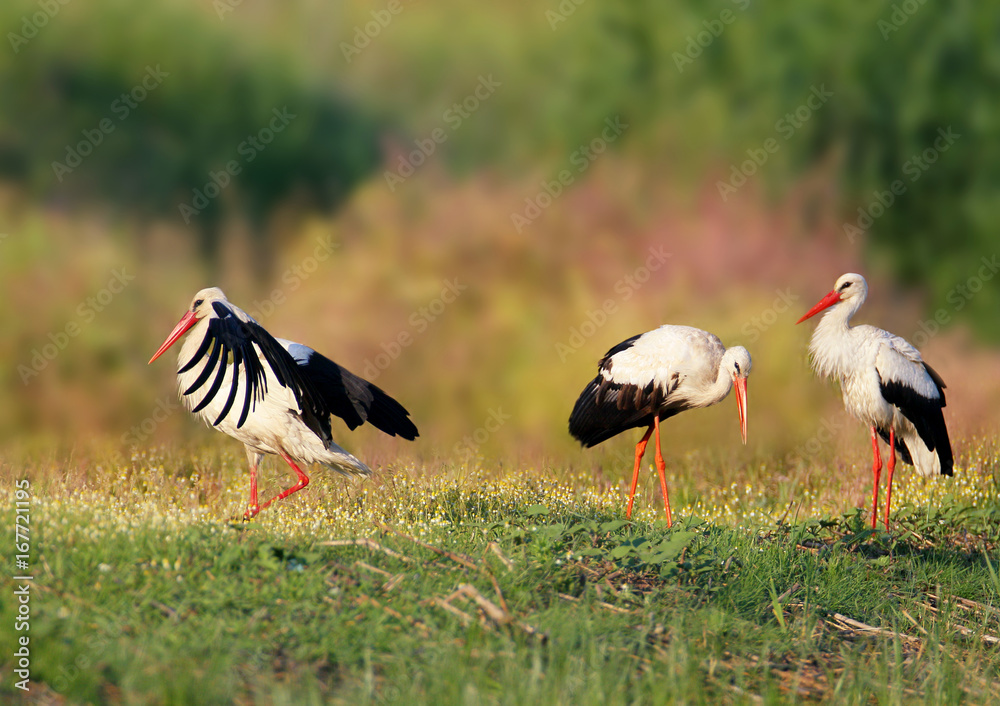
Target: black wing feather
243,335
354,399
197,355
232,388
320,388
235,339
606,409
217,383
925,414
904,452
247,402
623,346
213,358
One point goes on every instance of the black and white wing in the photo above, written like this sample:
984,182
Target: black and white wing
348,396
917,391
638,378
233,342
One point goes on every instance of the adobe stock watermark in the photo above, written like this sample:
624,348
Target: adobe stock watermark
913,169
454,116
698,43
581,158
165,406
293,277
900,15
419,321
224,7
121,108
470,444
252,146
563,11
364,34
86,312
958,296
757,325
32,24
22,588
785,127
625,288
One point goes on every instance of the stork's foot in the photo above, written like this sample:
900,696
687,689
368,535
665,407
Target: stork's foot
303,482
247,516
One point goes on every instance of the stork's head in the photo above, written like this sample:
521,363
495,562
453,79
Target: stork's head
736,361
201,307
851,288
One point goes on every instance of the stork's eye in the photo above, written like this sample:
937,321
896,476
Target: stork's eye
197,303
844,286
737,365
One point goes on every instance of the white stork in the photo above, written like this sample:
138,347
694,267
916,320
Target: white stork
653,376
885,383
274,395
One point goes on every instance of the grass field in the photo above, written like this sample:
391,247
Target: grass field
475,586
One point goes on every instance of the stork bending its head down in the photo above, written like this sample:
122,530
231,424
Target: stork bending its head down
653,376
885,383
274,395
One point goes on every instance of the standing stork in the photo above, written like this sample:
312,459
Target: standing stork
885,383
651,377
274,395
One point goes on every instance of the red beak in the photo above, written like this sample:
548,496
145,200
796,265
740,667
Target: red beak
186,322
827,301
741,405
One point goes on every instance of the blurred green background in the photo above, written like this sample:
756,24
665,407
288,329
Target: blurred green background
338,168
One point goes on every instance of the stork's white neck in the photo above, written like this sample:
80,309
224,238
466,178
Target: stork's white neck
721,387
716,392
831,348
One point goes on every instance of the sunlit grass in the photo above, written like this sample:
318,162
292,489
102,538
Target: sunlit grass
142,572
142,491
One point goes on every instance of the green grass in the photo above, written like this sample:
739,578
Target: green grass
461,588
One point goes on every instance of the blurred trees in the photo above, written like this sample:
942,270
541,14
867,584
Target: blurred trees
701,87
699,84
162,113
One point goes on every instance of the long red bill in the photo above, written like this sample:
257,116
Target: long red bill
741,405
186,322
827,301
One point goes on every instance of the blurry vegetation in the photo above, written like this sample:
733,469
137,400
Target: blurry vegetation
692,113
144,107
897,74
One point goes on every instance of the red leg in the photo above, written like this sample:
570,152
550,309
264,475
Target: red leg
877,472
254,505
662,468
303,482
640,449
891,467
